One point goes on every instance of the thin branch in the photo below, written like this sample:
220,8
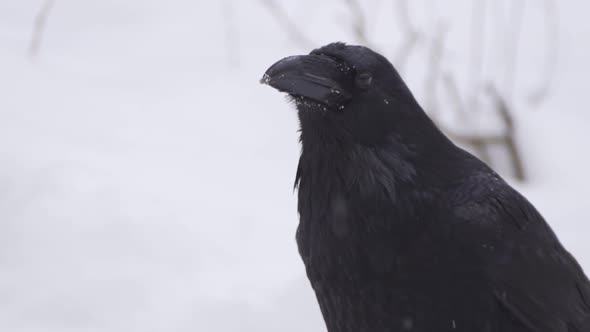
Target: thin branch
359,24
551,50
479,143
477,43
410,34
287,24
509,136
452,89
434,66
39,27
511,46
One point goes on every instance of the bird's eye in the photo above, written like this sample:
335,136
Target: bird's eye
364,80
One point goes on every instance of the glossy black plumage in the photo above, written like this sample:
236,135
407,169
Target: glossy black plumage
400,230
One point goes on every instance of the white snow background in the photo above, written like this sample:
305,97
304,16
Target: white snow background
146,177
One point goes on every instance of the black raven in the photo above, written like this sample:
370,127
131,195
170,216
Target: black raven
401,230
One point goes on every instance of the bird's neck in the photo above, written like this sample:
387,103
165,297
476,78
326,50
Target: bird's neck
395,175
330,161
333,173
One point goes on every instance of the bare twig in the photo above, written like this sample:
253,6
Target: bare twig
478,143
551,53
509,141
512,46
285,22
39,27
410,34
477,43
433,73
481,143
359,24
452,89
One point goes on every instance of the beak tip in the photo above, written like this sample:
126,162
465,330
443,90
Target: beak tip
265,80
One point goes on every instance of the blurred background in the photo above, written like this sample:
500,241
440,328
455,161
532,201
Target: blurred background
146,177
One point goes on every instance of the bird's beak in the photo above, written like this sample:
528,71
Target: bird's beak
317,77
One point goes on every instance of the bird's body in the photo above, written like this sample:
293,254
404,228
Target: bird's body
400,230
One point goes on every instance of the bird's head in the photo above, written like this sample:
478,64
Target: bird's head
344,92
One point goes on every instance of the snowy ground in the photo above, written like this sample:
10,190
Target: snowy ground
145,176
